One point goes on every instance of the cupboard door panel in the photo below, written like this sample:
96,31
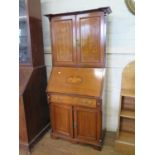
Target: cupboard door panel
86,124
90,39
62,122
63,40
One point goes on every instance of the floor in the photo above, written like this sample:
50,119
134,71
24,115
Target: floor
48,146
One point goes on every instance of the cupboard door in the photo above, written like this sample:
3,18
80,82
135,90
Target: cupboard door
63,40
87,124
62,122
90,39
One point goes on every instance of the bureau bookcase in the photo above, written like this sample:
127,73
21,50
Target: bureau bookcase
75,86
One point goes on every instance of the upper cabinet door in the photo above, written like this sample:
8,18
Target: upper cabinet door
63,40
90,39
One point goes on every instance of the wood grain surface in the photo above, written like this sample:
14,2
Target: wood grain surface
91,84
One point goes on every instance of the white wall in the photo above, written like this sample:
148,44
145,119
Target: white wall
120,45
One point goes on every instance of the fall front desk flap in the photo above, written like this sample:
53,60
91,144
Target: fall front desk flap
80,81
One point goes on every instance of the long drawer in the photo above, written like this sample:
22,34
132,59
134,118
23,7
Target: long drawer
73,100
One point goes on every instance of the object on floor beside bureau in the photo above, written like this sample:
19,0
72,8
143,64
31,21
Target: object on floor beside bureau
125,141
75,86
33,108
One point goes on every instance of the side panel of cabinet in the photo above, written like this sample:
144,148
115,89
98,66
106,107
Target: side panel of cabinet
36,108
62,119
87,126
91,39
63,40
23,138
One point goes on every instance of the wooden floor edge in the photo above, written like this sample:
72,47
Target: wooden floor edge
28,147
124,142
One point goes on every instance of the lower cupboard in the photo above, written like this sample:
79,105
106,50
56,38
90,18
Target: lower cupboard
79,124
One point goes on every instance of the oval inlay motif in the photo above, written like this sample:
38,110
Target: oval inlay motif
74,79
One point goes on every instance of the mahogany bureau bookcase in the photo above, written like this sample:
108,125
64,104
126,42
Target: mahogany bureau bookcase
33,107
75,85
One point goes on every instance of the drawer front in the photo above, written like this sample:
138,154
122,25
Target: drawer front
73,100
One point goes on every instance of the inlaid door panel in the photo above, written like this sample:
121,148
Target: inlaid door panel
64,40
62,122
86,124
90,39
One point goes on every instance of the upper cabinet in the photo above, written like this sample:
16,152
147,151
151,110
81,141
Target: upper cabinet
79,38
30,33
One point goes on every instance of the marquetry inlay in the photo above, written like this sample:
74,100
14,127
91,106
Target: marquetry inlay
74,80
72,100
